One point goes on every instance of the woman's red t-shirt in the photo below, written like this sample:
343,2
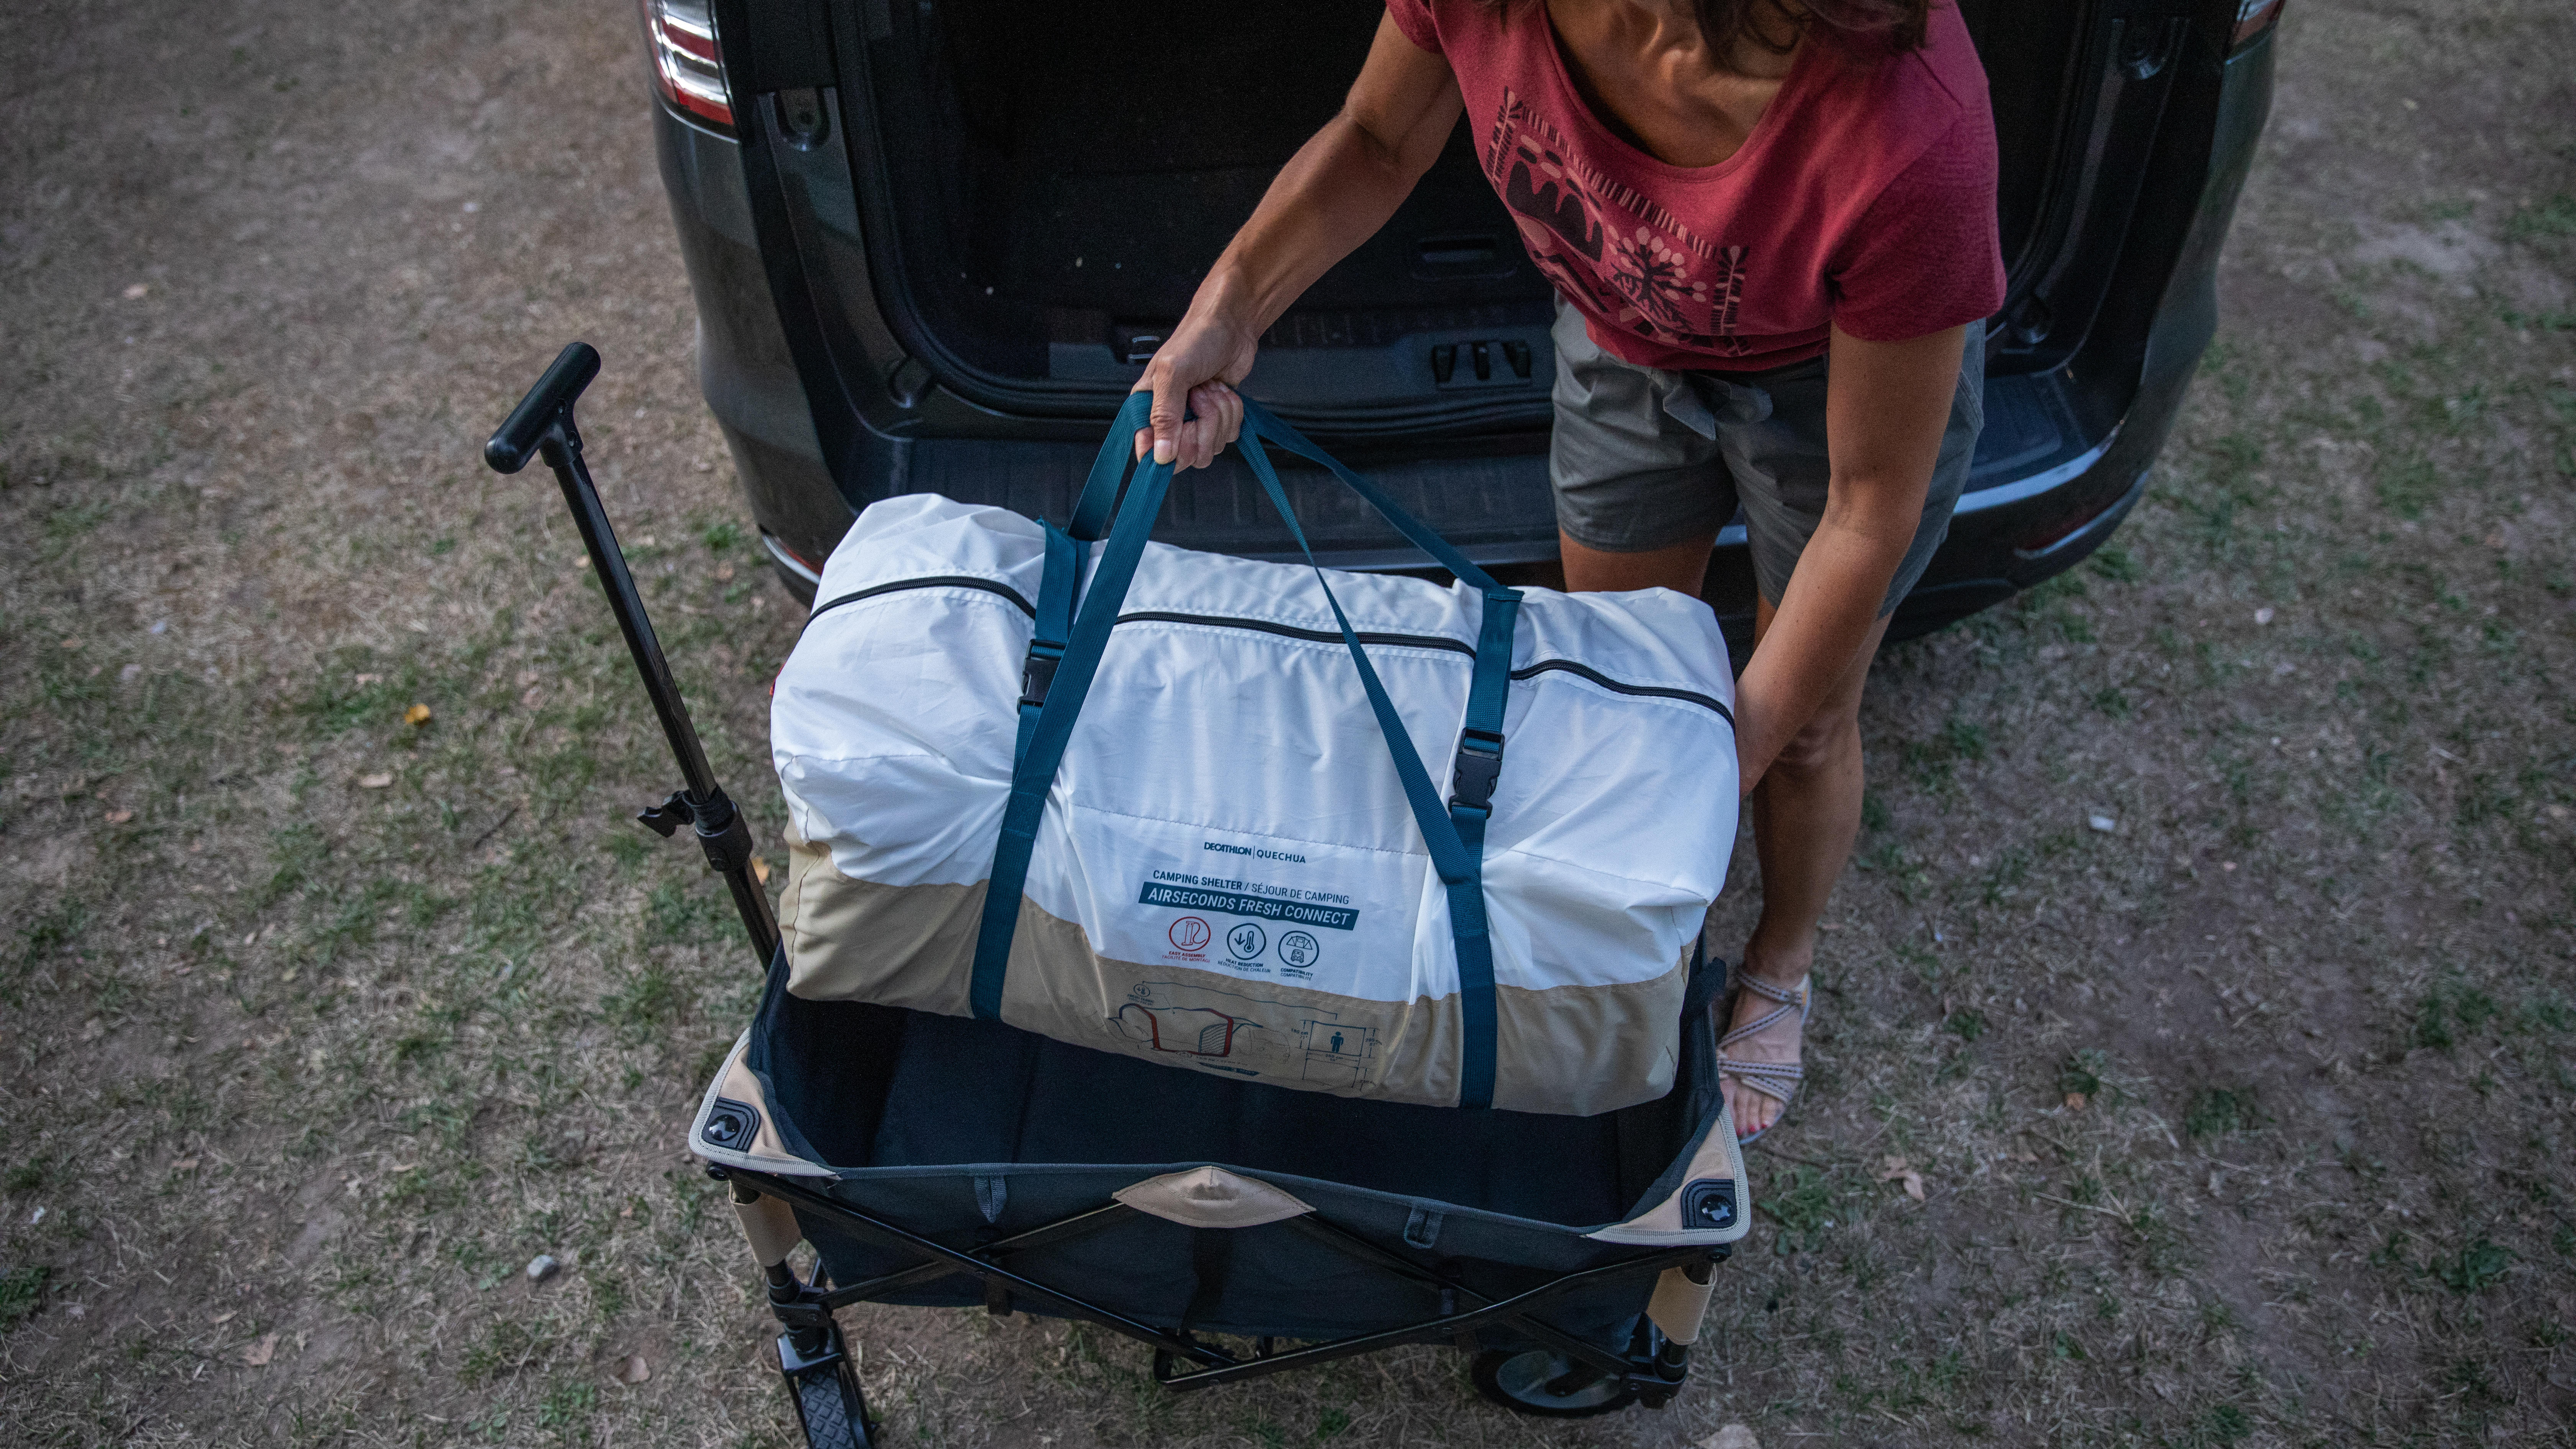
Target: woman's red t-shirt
1864,198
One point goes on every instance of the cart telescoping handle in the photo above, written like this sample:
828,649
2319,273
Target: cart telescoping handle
542,425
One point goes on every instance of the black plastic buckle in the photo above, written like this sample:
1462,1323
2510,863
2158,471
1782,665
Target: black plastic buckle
1479,768
1038,674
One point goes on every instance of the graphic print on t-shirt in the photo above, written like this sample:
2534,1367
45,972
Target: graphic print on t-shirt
1598,239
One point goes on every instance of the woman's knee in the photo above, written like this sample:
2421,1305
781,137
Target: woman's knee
1830,741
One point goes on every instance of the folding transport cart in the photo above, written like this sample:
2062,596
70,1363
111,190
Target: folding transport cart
939,1160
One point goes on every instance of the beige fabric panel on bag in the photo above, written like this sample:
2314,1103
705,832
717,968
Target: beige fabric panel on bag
1275,1032
914,947
1631,1033
847,940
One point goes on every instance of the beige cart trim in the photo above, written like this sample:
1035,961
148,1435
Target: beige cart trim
1681,1301
1661,1225
734,1080
1211,1197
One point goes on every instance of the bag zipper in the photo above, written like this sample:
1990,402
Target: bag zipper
1291,631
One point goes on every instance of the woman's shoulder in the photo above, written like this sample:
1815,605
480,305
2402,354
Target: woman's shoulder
1439,25
1898,104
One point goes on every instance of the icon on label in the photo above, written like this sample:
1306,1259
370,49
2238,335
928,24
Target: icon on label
1189,933
1298,949
1246,941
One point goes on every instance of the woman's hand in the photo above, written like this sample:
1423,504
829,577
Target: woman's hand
1206,357
1340,187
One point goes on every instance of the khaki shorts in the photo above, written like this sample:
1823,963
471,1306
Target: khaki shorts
1645,459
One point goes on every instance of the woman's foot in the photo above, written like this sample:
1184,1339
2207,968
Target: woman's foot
1759,1049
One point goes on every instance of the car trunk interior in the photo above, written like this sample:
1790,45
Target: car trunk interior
1062,175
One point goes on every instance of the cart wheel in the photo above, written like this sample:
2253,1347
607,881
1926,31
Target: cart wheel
831,1409
1548,1384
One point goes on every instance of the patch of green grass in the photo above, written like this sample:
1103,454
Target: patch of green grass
2449,1012
568,1406
47,935
2216,1111
2478,1265
1802,1203
504,1349
723,535
2084,1071
2407,484
1965,1024
686,912
2113,562
649,997
353,691
2551,218
2222,1424
22,1292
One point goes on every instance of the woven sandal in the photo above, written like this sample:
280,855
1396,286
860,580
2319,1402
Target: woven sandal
1776,1080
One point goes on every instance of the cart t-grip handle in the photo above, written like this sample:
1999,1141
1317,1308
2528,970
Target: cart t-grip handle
535,416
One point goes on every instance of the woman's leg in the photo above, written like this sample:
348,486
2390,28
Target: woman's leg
1806,814
1682,567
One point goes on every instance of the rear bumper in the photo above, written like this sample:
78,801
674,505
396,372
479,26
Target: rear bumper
2064,457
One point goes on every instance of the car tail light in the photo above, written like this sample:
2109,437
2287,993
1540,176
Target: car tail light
2253,17
688,64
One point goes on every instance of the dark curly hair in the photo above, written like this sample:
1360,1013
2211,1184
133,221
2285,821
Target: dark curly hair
1897,24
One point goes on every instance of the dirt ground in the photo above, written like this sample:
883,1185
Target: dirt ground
2243,1121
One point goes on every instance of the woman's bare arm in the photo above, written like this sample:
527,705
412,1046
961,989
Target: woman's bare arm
1886,407
1341,186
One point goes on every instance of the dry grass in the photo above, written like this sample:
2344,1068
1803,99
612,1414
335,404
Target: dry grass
296,1062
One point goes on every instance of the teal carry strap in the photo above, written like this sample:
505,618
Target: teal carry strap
1033,773
1456,841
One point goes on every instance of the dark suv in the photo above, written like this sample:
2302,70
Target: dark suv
932,241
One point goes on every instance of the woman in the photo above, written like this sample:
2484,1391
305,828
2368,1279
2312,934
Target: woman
1772,229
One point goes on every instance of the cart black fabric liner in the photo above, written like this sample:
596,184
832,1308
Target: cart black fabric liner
971,1131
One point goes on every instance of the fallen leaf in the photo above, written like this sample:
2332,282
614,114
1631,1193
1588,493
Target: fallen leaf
2075,1101
760,869
374,782
93,1029
258,1354
1733,1436
71,643
119,817
416,716
725,574
184,1164
135,293
1899,1172
636,1370
2263,615
225,1317
582,562
530,698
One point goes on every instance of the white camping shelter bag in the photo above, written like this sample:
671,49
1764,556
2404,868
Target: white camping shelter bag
1189,823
